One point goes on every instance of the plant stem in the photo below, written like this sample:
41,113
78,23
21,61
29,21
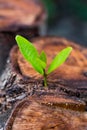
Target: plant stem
45,79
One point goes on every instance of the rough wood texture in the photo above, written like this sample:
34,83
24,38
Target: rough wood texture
66,94
24,17
35,114
71,75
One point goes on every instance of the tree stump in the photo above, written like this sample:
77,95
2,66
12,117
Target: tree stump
62,105
46,114
25,17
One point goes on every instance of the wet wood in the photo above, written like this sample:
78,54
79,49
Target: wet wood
34,113
24,17
66,94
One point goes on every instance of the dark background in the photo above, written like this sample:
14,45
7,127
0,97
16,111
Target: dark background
67,18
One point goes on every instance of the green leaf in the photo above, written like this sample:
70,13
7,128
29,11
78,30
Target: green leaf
29,52
42,63
59,59
27,48
37,66
43,57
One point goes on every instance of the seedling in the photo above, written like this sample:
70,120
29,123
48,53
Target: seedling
39,61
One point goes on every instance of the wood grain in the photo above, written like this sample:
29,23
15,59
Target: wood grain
71,75
34,113
63,104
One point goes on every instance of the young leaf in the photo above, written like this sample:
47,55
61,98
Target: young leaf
59,59
37,65
27,48
43,57
29,52
42,63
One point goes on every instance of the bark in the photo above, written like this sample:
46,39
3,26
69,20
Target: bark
63,102
36,113
23,17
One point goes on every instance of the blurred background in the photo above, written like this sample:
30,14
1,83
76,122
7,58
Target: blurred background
67,18
33,18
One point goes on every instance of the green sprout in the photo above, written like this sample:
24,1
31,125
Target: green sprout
39,61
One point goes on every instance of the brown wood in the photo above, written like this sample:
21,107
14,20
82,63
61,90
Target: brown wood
36,113
71,75
17,13
24,17
66,94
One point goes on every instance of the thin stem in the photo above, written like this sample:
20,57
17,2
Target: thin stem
45,79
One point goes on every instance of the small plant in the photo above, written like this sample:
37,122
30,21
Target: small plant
39,61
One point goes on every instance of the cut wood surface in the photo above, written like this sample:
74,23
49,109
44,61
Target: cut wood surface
17,13
35,114
63,102
72,75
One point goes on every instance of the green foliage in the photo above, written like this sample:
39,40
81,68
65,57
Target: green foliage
30,54
43,57
59,59
39,61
